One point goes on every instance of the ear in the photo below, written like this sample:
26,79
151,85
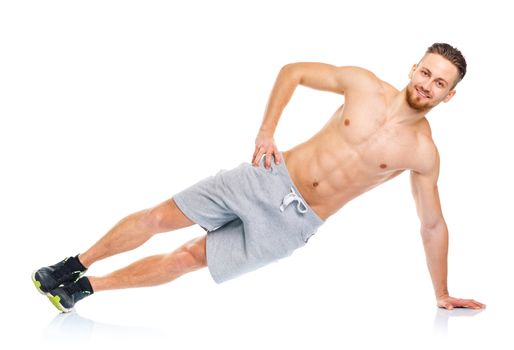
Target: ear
449,96
414,66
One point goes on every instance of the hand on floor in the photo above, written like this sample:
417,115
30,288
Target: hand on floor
449,303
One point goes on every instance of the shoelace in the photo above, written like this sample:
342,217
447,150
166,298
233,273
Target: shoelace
293,197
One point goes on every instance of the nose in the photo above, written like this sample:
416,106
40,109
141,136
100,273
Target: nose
426,85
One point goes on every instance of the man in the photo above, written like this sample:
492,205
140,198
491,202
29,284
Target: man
257,214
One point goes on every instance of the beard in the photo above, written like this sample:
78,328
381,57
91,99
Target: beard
416,102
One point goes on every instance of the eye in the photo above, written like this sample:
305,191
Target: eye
440,84
424,73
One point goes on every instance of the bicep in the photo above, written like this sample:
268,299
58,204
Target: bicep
326,77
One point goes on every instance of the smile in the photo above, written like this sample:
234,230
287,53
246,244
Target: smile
422,94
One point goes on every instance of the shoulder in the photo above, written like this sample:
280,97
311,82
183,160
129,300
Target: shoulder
360,79
357,71
353,74
426,155
361,74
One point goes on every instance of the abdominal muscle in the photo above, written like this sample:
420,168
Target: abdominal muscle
328,172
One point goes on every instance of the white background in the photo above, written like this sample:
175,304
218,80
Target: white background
109,107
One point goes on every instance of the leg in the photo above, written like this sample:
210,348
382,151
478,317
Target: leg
157,269
135,229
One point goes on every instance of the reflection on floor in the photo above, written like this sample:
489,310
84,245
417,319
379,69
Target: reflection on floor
71,328
442,316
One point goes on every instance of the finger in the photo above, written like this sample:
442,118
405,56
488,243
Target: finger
255,152
258,147
258,156
277,157
267,161
483,306
468,303
474,304
478,305
462,303
260,150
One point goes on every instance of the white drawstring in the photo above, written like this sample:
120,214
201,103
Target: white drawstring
291,197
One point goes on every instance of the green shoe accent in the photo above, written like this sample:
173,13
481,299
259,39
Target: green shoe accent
56,300
37,284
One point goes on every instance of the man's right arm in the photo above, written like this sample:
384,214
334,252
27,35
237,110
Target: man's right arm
318,76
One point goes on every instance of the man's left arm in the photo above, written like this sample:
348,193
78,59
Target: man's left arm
434,232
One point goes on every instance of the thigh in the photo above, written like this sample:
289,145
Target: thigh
207,202
226,251
239,247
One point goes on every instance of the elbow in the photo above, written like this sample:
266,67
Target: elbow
287,69
433,226
291,72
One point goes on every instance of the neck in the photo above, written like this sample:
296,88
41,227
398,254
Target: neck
401,113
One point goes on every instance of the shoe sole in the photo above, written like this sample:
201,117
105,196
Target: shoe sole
56,301
37,284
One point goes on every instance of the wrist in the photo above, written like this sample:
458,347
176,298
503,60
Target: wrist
266,130
442,294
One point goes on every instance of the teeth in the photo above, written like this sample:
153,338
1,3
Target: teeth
422,94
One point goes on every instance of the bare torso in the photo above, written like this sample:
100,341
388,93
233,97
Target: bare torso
361,146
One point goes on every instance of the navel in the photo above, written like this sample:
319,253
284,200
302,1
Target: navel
315,184
347,122
383,166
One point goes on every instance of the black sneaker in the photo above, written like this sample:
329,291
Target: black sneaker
65,297
50,277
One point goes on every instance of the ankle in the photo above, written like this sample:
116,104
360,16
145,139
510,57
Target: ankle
84,260
72,263
95,283
85,284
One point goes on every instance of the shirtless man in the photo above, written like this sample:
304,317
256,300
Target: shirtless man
261,212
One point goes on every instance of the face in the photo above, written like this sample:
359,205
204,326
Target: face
431,82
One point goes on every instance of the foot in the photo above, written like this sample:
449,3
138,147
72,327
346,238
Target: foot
65,297
50,277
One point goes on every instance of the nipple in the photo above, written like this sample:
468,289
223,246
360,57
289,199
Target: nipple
383,166
347,122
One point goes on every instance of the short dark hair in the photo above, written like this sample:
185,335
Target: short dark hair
451,54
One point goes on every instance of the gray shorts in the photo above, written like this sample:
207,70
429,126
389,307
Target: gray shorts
253,216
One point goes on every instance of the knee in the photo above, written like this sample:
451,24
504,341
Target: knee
193,253
163,218
152,219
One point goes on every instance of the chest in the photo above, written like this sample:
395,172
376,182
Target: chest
378,143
